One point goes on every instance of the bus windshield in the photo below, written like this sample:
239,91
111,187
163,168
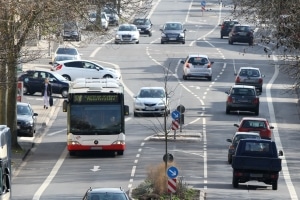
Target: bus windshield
89,119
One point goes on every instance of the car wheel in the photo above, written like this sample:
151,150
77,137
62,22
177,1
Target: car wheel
256,112
229,159
227,110
235,182
260,89
120,153
209,78
64,93
25,89
275,185
183,42
72,153
137,42
184,77
135,114
67,77
107,76
221,36
150,34
116,42
161,42
250,43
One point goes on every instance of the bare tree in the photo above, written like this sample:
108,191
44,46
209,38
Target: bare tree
23,21
279,30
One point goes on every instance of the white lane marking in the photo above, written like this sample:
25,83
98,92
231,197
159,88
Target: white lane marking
52,174
56,132
285,169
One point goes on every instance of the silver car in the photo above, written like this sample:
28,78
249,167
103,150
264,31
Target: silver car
151,100
197,66
249,76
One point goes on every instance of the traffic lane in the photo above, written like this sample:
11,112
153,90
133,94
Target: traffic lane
188,158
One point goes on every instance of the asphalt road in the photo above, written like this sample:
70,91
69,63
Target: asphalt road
50,173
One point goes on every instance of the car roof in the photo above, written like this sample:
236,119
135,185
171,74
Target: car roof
102,190
147,88
22,103
254,118
243,86
198,55
249,68
173,23
64,61
246,133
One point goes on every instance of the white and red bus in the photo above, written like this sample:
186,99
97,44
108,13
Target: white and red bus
96,116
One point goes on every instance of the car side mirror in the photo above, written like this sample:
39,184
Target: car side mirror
212,62
51,63
271,127
229,140
184,30
235,73
35,114
227,92
220,24
161,29
236,125
258,92
182,62
263,76
280,153
134,96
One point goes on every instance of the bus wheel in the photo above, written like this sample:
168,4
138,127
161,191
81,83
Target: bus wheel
120,153
72,153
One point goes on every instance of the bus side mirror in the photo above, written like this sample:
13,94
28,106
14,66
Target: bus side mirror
65,106
126,110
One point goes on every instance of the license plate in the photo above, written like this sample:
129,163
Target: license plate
243,101
150,108
172,39
256,175
249,80
96,148
242,33
18,127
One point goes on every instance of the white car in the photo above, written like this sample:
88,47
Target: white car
71,51
196,65
73,69
151,100
127,33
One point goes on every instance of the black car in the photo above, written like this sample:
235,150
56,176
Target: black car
242,34
71,31
33,80
173,32
26,119
226,27
144,26
242,98
105,193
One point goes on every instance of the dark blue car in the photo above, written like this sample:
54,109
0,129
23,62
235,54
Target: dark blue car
33,80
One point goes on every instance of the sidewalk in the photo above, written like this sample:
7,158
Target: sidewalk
27,143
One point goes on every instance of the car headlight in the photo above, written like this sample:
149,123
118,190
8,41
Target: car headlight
138,103
163,35
29,123
181,35
161,104
117,36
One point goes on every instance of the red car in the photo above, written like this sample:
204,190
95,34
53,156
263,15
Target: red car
253,124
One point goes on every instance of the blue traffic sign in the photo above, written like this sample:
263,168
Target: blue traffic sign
172,172
175,114
203,3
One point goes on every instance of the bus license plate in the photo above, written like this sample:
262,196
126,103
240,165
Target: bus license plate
96,148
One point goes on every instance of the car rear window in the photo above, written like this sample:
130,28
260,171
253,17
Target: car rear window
249,73
242,28
243,91
253,124
230,23
198,61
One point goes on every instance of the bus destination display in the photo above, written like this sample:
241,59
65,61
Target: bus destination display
95,98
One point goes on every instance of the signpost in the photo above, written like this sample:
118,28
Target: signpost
172,174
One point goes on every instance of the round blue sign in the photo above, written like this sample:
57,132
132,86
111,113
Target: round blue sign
172,172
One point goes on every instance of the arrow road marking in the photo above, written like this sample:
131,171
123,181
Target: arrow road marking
96,168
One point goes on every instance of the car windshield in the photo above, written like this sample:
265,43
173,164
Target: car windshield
141,21
23,110
151,93
243,91
198,61
253,124
173,26
69,51
249,73
127,28
237,138
108,196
